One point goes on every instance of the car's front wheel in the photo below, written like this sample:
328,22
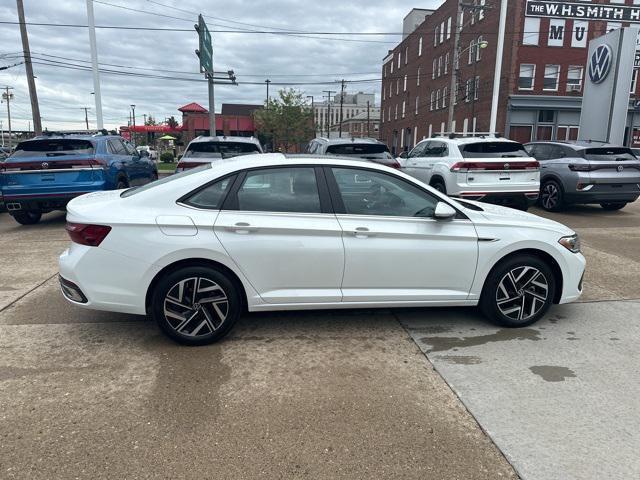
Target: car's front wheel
196,305
518,291
613,206
27,218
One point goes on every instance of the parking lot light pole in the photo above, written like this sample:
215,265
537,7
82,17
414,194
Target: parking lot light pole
133,118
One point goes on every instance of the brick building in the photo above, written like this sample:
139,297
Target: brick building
234,120
543,69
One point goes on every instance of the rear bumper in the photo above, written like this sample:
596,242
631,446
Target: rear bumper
604,193
42,202
503,198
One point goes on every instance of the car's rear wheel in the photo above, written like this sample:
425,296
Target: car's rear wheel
122,183
551,197
27,218
613,206
439,185
518,291
196,305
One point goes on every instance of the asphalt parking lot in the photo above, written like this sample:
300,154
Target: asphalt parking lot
357,394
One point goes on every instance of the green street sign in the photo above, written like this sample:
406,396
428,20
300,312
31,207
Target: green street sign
205,52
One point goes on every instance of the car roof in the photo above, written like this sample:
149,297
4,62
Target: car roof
223,138
349,140
471,139
72,137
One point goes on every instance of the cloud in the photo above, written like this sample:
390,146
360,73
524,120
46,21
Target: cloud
254,57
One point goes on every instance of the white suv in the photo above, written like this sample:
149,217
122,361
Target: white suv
204,149
485,168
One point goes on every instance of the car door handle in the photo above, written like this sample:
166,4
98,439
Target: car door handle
362,232
241,228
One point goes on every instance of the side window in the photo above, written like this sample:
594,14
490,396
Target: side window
128,148
116,147
418,150
438,149
365,192
543,152
531,150
280,190
210,197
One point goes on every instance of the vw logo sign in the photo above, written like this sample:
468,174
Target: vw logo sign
507,166
600,63
45,165
620,168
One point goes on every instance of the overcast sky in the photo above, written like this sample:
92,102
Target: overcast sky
254,57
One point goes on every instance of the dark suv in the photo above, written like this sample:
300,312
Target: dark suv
586,172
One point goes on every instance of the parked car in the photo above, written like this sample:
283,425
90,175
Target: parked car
202,150
148,151
4,152
44,173
271,232
586,172
364,148
482,167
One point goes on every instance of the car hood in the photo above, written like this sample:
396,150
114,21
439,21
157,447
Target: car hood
503,216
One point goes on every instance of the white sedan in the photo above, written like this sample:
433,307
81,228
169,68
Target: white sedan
272,232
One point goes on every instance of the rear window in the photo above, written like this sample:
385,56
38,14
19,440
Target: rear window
54,147
357,149
608,154
132,191
220,149
492,150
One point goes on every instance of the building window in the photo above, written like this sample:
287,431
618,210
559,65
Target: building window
467,90
405,83
417,103
433,94
531,34
476,87
478,49
481,3
392,65
527,76
440,66
634,81
442,27
446,63
418,78
448,28
435,37
551,78
404,108
574,78
445,91
399,59
546,116
472,51
437,99
433,69
397,86
420,47
396,111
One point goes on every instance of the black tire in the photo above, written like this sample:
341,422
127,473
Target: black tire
613,206
439,185
211,320
154,176
122,183
27,218
551,196
523,295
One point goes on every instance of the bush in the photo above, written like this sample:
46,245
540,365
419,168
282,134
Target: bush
166,157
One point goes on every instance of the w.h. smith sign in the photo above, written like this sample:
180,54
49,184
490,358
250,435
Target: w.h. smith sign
583,11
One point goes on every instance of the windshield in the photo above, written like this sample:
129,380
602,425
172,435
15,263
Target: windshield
360,149
132,191
220,149
492,150
608,154
54,147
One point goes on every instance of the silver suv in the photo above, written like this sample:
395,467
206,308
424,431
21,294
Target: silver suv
365,148
586,172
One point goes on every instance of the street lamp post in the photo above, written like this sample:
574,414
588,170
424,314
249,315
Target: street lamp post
313,115
133,132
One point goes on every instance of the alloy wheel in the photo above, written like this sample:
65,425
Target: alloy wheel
550,196
196,307
522,293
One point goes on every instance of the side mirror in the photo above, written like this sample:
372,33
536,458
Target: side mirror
144,153
404,155
444,211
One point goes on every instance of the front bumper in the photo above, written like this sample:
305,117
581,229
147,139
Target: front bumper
573,278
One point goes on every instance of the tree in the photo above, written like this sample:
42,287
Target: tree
172,122
150,120
286,120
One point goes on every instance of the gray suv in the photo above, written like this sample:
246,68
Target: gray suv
364,148
586,172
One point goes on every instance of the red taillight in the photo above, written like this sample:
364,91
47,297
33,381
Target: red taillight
502,166
580,167
187,165
395,164
90,235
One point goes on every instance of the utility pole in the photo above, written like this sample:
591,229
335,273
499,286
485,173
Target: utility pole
86,117
267,81
498,70
455,66
8,96
313,115
213,131
341,103
329,92
133,132
33,95
368,124
2,133
94,64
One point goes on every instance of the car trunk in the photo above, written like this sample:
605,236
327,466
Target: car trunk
40,168
367,151
616,166
497,164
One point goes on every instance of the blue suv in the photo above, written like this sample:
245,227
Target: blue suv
44,173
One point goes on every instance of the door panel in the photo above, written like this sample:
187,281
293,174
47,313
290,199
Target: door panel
287,257
396,259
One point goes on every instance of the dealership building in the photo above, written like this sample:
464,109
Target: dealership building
544,64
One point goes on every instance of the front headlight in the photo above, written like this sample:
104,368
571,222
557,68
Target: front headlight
571,243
